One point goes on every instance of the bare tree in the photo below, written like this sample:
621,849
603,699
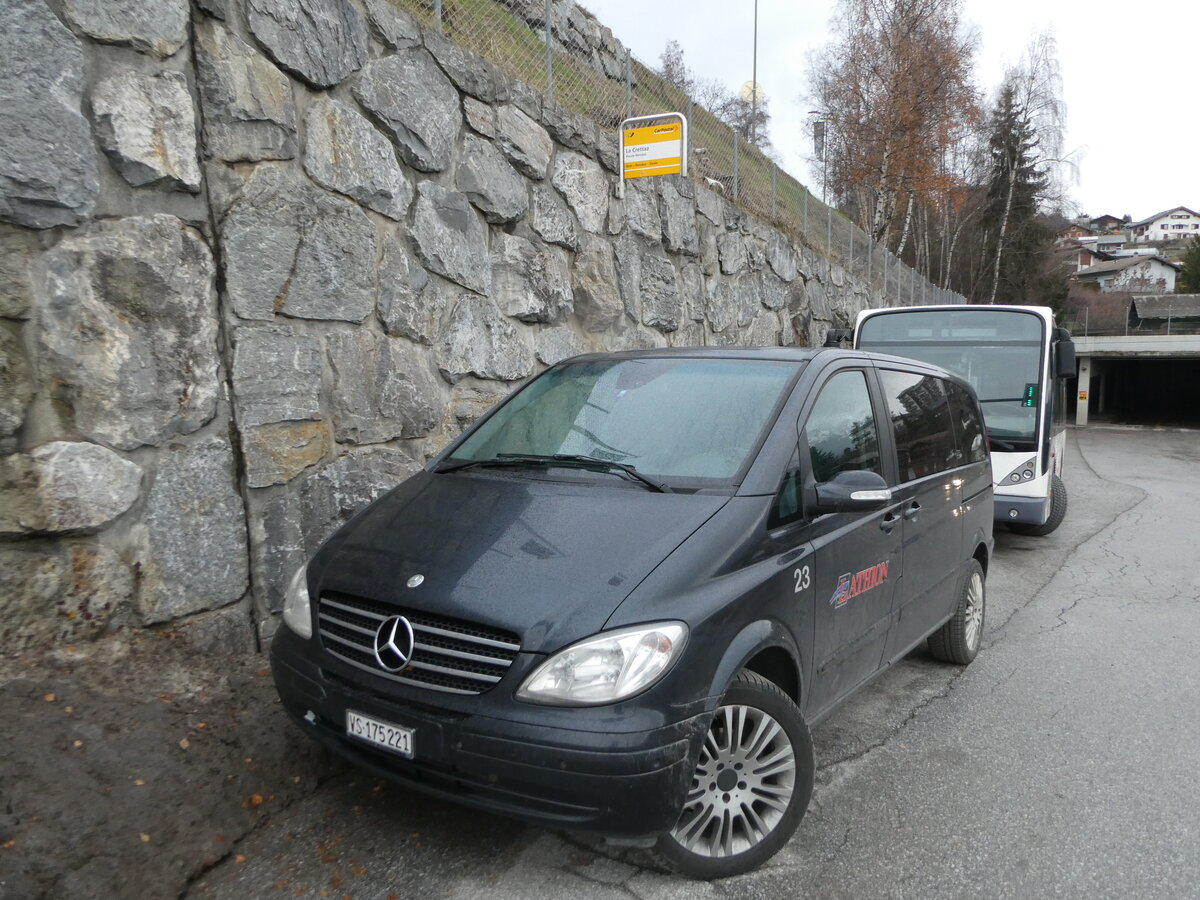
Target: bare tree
750,121
894,90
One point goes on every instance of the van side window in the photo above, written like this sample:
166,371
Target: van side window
920,416
841,430
968,427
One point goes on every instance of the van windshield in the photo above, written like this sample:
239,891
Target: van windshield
677,419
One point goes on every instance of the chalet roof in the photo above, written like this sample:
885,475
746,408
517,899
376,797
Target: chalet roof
1165,212
1120,264
1162,306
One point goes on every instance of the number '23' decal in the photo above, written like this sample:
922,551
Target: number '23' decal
803,578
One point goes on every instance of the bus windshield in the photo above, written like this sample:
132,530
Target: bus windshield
999,352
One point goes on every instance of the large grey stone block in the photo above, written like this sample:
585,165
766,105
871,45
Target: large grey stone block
147,126
277,452
47,160
156,27
594,279
405,307
249,113
585,186
490,182
290,248
550,218
319,41
531,282
483,342
127,330
276,376
345,153
662,304
679,218
192,540
383,388
416,105
450,239
64,486
640,206
53,594
731,246
472,74
526,143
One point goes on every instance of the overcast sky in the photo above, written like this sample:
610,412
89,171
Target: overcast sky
1129,78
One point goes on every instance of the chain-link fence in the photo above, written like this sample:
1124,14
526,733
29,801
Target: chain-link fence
564,52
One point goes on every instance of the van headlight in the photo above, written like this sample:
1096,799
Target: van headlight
606,668
297,611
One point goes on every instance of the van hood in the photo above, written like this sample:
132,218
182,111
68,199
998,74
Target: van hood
548,559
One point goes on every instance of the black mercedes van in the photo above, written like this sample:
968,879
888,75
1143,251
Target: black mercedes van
619,600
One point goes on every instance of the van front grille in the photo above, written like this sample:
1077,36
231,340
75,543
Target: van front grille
448,654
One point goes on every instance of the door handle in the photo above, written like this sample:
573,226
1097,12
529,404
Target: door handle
890,521
912,511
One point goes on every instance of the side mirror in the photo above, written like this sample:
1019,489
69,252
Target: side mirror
853,491
1064,355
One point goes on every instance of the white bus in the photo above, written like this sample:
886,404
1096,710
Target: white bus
1016,359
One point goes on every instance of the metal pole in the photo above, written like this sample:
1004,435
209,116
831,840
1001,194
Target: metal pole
549,50
628,85
437,15
754,78
828,232
805,228
850,253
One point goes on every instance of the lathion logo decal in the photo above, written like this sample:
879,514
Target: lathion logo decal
851,585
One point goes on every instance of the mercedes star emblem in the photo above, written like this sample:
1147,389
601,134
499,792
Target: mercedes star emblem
394,643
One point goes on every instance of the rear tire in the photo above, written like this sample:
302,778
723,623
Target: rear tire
751,787
959,639
1058,511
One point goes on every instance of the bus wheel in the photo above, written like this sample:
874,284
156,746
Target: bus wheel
1058,510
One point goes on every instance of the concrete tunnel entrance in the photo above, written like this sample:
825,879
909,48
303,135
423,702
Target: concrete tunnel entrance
1153,391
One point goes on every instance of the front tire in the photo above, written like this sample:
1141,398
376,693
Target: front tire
751,787
1058,511
959,639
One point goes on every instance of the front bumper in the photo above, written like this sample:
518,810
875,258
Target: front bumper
1026,510
621,785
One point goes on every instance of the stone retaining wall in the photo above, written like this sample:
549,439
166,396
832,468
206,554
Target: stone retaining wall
261,259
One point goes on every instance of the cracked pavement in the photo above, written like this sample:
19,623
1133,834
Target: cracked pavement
1065,761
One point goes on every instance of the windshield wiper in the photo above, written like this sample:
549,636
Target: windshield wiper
579,461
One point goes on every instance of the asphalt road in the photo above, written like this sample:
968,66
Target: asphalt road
1064,762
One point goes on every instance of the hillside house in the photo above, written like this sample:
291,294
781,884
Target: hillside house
1131,273
1169,225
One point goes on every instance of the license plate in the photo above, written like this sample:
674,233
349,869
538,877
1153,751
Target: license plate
381,734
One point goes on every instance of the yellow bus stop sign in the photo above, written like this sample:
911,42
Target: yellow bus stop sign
653,149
